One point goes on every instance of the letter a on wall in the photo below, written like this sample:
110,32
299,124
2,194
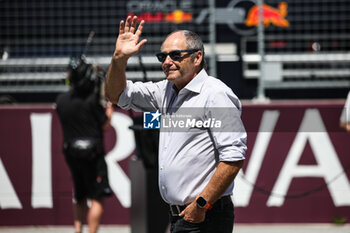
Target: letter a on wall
328,165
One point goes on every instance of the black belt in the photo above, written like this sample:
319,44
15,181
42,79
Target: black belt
175,210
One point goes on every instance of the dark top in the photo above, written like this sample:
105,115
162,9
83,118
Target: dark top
80,115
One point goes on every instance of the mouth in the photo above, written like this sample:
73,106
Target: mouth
171,70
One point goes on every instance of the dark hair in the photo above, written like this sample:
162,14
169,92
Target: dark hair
85,77
81,75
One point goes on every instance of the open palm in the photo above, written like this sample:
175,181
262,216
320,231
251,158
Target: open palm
128,42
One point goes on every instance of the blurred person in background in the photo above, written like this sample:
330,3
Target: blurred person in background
196,168
83,119
345,115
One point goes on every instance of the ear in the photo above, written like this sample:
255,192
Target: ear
198,58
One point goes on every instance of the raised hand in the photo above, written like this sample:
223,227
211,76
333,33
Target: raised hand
128,42
127,45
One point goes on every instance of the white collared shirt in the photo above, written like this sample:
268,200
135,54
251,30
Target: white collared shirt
188,157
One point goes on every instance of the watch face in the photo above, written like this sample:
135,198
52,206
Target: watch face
201,202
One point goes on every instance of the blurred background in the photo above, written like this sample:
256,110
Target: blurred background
305,42
291,70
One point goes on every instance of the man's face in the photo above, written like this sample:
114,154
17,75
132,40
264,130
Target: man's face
179,72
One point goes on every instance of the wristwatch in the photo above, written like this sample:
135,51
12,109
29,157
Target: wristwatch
202,203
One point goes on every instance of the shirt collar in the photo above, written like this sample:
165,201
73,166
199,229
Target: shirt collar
195,85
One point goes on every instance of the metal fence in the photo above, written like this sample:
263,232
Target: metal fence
38,37
306,45
306,42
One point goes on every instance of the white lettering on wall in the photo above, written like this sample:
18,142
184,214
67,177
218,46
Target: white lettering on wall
311,130
8,196
328,165
125,145
243,190
41,160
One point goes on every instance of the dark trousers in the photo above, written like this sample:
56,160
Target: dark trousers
218,220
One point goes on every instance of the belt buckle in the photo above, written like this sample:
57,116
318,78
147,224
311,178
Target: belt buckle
173,212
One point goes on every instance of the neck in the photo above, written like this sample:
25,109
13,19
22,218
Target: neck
182,83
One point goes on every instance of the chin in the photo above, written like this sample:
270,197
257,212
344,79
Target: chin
171,77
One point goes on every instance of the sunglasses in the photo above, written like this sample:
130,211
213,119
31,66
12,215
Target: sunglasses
175,55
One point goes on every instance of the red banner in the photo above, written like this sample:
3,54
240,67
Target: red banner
297,166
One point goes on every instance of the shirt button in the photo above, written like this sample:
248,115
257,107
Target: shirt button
163,187
161,168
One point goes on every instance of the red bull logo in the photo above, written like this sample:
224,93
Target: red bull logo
270,16
177,16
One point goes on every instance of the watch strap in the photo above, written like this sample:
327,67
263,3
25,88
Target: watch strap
208,206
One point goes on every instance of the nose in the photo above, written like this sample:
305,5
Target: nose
167,60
